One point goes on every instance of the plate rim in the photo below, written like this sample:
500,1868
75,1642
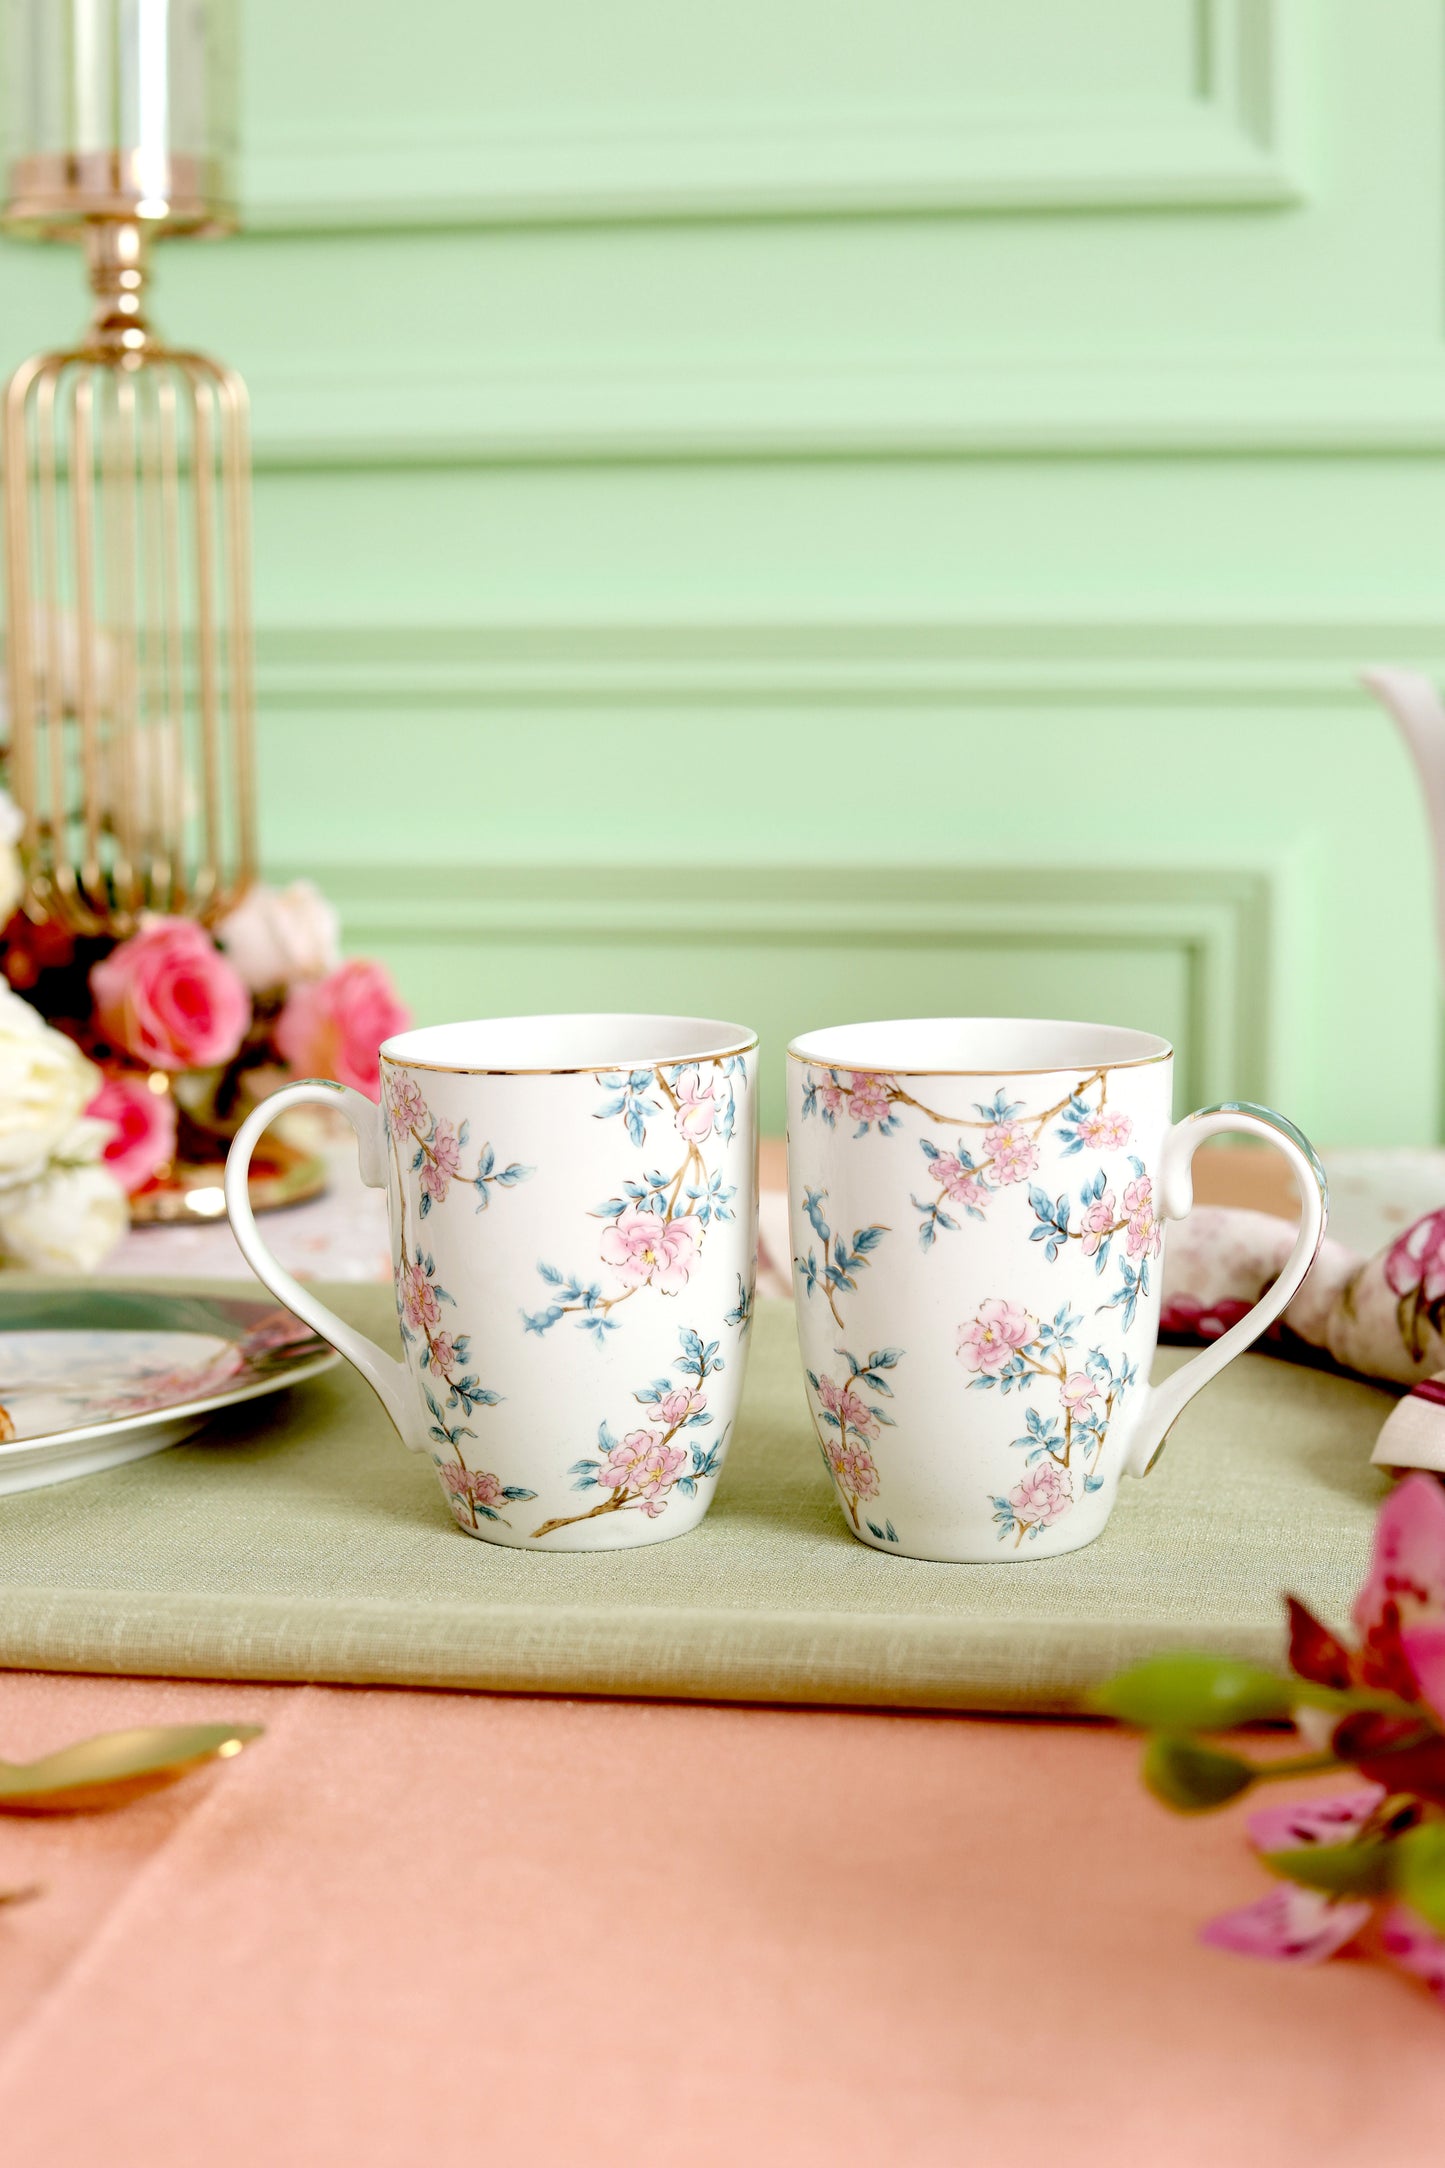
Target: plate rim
225,1396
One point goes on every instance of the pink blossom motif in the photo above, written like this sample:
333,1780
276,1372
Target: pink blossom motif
279,1329
1077,1390
1011,1150
1332,1820
1415,1264
473,1484
1293,1925
831,1096
643,1467
1144,1234
989,1341
852,1413
419,1305
405,1107
1185,1317
647,1249
962,1184
696,1107
1405,1587
1415,1271
1105,1131
675,1408
1042,1496
868,1097
1098,1223
443,1353
857,1472
1413,1946
442,1157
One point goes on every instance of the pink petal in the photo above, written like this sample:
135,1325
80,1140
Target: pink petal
1331,1820
1408,1566
1414,1947
1424,1652
1292,1925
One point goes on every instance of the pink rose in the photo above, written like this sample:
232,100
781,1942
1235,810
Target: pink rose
168,998
1042,1496
1011,1150
958,1182
675,1408
696,1109
868,1098
852,1413
335,1026
1098,1222
144,1123
1077,1390
441,1158
1105,1131
443,1353
988,1342
644,1247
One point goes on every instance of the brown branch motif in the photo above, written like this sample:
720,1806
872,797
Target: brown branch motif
474,1494
653,1233
1009,1351
848,1426
642,1470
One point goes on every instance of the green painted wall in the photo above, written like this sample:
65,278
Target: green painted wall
806,513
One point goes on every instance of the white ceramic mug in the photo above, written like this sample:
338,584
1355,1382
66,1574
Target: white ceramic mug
573,1210
977,1212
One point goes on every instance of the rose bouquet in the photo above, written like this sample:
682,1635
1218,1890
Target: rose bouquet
1357,1869
174,1034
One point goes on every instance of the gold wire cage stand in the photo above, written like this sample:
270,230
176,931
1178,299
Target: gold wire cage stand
127,530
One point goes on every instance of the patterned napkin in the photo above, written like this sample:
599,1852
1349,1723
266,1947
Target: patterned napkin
1382,1316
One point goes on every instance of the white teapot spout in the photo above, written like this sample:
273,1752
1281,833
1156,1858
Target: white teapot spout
1411,699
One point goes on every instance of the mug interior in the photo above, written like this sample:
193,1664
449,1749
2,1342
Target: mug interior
976,1046
512,1045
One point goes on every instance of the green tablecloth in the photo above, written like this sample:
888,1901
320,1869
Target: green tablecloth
296,1539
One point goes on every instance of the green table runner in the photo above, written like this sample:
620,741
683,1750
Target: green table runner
296,1539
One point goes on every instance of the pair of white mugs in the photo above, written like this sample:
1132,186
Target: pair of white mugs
976,1211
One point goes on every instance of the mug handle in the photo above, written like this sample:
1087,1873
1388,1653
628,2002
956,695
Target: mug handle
388,1378
1163,1404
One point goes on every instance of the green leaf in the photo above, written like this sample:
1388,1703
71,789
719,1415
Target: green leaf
1192,1777
1188,1692
1420,1872
1343,1870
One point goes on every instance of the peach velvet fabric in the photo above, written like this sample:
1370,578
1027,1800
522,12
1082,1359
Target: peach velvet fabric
449,1928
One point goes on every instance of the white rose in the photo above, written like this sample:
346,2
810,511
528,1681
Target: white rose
278,935
45,1082
67,1221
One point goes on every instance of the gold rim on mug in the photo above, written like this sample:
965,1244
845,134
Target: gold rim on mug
584,1068
1003,1068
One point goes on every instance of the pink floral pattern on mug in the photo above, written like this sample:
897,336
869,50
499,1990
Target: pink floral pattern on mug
654,1231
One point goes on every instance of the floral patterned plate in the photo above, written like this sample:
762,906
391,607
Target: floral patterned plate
98,1376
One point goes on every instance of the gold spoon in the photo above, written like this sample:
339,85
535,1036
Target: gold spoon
116,1767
